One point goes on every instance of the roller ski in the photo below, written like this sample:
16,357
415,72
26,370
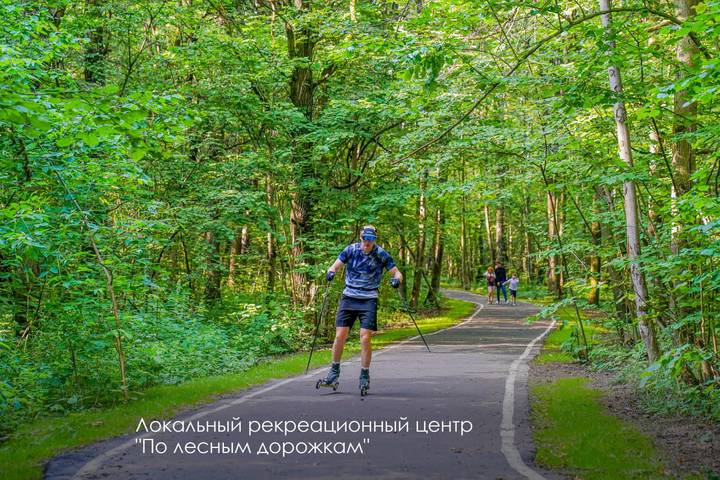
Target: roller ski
332,380
364,381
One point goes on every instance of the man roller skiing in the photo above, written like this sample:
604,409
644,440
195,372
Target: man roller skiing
364,263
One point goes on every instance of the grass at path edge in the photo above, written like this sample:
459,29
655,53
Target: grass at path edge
574,433
22,457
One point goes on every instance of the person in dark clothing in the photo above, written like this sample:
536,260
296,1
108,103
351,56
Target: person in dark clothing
500,279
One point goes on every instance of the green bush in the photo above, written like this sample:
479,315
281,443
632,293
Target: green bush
73,365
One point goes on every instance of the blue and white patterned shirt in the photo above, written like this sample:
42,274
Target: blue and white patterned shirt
363,271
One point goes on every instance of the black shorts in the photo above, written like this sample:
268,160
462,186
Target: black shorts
513,293
351,309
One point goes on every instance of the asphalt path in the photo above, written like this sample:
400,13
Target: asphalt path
474,377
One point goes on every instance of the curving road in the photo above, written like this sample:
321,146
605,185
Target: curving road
476,373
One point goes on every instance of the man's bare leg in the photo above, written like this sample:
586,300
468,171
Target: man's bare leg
365,347
341,334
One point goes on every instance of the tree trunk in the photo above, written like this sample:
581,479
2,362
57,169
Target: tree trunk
464,280
645,324
527,262
482,260
301,47
420,247
683,161
437,255
212,288
560,212
595,264
237,247
500,234
553,275
662,290
98,45
618,291
509,251
488,232
402,265
270,238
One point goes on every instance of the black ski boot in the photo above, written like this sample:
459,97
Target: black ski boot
364,381
332,378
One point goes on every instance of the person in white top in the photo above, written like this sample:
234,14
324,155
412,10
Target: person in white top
513,287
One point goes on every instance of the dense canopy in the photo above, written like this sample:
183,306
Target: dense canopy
176,176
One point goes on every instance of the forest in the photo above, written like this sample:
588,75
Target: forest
176,176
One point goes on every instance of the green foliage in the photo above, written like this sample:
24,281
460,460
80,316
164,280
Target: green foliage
64,371
22,455
556,346
212,158
578,436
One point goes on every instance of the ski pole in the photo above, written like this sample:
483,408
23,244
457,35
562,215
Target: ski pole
407,309
317,324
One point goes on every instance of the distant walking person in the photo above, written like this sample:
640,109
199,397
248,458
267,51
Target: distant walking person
500,279
490,277
513,286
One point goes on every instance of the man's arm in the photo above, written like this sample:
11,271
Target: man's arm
396,273
342,259
334,267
